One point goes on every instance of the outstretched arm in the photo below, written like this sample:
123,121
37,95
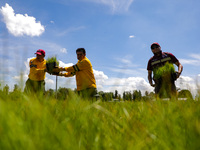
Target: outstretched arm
68,74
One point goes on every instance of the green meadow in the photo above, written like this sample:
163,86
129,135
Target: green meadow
45,123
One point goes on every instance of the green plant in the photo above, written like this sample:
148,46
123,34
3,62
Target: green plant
164,71
51,63
40,122
52,60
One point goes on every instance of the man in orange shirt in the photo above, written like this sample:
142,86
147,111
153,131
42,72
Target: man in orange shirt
35,82
85,80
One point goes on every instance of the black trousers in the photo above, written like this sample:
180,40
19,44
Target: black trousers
165,88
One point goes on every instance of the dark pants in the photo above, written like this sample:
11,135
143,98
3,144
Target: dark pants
88,93
34,86
165,88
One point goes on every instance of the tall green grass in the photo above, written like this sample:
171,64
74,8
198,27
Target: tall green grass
30,123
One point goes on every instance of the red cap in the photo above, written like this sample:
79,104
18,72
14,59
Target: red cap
40,52
155,44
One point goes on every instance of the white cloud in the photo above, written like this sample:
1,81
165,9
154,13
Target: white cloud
49,82
127,84
195,61
62,64
126,61
100,78
139,83
195,56
190,62
131,36
63,50
117,6
19,25
189,83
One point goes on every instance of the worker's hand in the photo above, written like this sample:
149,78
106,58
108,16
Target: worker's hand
57,69
178,74
55,73
153,85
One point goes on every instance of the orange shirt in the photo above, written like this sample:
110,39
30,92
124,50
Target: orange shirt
37,72
84,74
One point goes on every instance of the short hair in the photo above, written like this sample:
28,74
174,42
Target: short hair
81,50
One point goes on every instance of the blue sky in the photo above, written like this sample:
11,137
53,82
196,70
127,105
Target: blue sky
116,34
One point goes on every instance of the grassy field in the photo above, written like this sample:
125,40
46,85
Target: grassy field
30,123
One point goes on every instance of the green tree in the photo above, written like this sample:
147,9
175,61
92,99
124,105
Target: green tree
62,93
185,94
6,89
116,94
16,88
137,95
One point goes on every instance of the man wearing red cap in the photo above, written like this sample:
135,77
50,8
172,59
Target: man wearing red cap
160,64
35,82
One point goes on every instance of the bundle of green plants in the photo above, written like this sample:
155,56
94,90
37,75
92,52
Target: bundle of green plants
51,63
164,76
165,71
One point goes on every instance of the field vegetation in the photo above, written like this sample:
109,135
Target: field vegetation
49,123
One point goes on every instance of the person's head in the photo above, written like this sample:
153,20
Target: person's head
155,48
40,54
81,53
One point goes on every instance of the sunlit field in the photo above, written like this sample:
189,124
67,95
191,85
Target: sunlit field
45,123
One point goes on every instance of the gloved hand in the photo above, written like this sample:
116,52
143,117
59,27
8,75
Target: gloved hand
55,73
175,76
57,69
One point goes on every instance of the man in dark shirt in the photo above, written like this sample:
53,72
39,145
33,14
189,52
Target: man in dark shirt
164,85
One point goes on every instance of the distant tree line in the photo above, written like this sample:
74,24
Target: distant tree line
65,93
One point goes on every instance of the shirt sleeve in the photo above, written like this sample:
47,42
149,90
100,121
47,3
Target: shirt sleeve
69,69
174,59
149,67
81,65
35,69
69,74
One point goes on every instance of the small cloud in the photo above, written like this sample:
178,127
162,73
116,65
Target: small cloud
71,29
63,50
195,61
62,64
131,36
195,56
52,22
49,81
117,6
19,25
126,61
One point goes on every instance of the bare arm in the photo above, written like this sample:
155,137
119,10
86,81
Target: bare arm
180,68
150,78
